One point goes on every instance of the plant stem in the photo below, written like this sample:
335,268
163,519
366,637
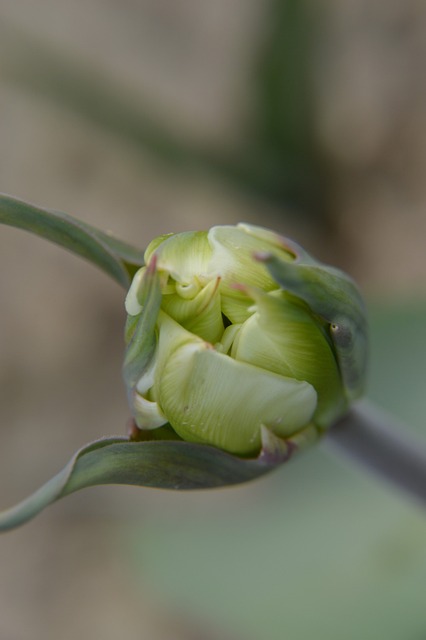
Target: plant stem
380,443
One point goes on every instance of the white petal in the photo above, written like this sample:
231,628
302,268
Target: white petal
132,304
147,414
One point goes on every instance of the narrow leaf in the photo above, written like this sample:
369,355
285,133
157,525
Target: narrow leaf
116,258
166,464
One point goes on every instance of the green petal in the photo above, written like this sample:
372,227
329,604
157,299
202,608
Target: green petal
235,305
202,315
171,337
154,244
234,251
209,397
228,337
185,256
283,337
273,239
233,259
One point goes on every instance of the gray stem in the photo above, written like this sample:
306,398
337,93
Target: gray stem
380,443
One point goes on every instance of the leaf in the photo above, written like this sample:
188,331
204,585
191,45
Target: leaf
116,258
333,296
166,464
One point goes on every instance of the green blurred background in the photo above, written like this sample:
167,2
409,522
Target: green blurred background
150,116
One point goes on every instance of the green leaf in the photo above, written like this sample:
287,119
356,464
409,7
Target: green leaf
333,296
116,258
141,344
166,464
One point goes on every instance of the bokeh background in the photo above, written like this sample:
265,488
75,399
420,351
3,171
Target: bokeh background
150,116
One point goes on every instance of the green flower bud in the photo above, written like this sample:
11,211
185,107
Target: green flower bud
237,338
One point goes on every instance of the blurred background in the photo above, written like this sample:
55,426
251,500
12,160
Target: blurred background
150,116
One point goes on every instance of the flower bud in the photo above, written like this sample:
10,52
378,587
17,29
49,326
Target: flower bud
235,336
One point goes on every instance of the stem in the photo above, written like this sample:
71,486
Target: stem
380,443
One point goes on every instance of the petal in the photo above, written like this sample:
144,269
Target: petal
202,315
228,337
132,304
273,239
185,256
171,337
282,336
209,397
235,305
233,258
146,413
154,244
234,250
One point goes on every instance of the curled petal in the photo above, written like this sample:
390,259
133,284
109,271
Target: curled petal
132,303
147,414
211,398
273,239
233,259
185,257
233,250
283,337
202,315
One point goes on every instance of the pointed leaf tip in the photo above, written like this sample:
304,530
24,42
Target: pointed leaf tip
117,258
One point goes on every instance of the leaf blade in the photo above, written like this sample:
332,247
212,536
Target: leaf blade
162,464
113,256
